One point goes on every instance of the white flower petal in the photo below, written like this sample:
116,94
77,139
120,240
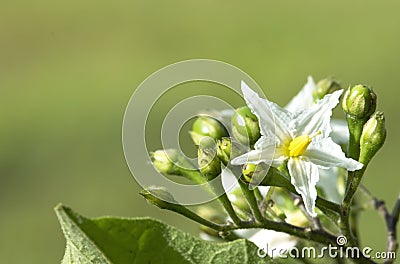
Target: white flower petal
328,182
272,241
304,177
273,119
327,154
266,154
304,99
340,131
266,151
317,118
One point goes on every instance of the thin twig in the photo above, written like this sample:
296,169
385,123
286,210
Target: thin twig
251,200
391,220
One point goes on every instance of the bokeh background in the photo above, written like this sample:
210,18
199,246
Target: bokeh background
68,69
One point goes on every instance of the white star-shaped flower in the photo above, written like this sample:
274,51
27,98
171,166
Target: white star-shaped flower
304,99
300,138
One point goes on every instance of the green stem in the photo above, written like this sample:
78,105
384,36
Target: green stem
319,236
193,216
258,194
353,186
217,188
276,178
355,130
251,200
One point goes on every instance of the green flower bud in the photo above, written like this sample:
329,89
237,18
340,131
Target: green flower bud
245,126
253,172
172,162
324,87
359,102
165,161
373,136
208,161
224,147
207,126
158,196
248,171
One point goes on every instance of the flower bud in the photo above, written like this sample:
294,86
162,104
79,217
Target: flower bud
254,172
324,87
224,146
171,162
208,161
165,161
245,126
207,126
248,171
373,136
158,196
359,102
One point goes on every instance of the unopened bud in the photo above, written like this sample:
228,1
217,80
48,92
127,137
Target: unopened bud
224,149
245,127
171,162
165,161
158,196
359,102
373,136
324,87
208,161
254,172
207,126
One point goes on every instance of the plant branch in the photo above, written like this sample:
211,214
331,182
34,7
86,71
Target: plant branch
217,188
251,200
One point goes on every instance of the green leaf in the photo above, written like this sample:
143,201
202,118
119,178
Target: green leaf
143,240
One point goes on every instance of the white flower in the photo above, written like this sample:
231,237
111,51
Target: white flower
300,138
304,99
340,134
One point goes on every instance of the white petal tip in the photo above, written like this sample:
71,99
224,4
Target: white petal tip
313,214
239,160
245,88
355,166
338,93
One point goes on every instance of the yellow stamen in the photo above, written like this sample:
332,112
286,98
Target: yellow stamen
299,144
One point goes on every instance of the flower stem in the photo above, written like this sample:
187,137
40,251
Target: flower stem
251,200
355,130
217,188
276,178
193,216
353,186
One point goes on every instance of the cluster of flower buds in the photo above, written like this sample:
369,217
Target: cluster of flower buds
366,127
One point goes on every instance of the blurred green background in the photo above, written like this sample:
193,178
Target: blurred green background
68,69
